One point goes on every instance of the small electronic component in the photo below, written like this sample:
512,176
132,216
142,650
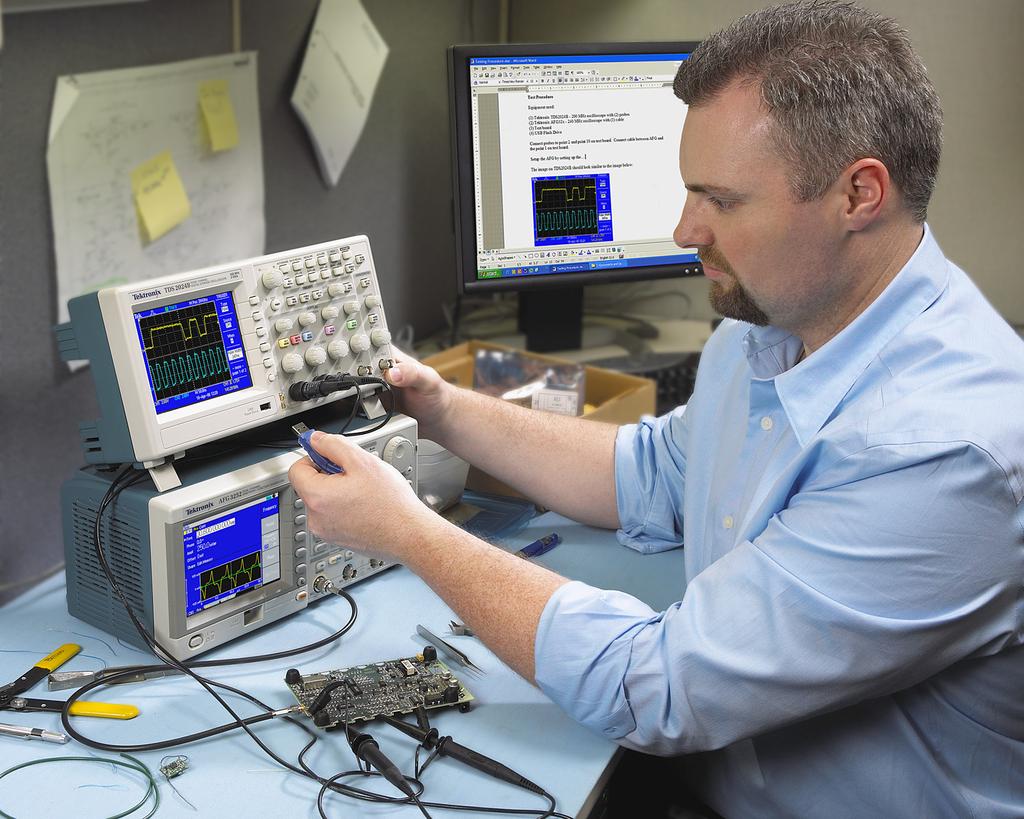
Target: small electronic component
176,767
366,692
325,465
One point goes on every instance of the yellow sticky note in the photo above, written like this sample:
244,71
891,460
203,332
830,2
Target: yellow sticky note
219,125
160,198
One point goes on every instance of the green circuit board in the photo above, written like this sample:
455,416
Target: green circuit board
367,692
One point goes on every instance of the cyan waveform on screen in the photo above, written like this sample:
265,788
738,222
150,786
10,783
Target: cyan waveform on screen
188,368
555,221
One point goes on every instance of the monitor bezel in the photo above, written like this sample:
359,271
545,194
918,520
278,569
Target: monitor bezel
463,183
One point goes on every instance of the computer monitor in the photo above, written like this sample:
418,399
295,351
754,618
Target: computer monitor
564,161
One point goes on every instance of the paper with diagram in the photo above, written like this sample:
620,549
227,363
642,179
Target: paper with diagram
120,145
344,60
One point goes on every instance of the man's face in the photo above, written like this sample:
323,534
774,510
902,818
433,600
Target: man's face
767,256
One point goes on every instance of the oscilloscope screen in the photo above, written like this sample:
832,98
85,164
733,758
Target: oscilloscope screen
232,553
571,209
193,351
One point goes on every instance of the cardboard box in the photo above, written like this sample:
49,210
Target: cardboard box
617,398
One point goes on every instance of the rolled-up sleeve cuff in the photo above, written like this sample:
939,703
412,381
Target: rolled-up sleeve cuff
582,654
647,516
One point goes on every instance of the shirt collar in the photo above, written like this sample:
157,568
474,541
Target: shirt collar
811,392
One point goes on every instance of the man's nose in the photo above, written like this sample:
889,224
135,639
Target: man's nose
692,231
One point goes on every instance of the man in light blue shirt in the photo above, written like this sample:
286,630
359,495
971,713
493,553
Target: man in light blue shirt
846,480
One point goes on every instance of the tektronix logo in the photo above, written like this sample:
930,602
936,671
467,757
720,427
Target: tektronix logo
146,294
192,510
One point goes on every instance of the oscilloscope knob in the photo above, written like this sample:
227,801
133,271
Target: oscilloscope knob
315,356
329,312
336,289
359,343
292,363
400,453
338,348
380,337
305,319
272,279
371,302
283,325
350,307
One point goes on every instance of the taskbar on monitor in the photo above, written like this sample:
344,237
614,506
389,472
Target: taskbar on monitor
576,267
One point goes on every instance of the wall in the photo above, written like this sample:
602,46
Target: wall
973,54
396,189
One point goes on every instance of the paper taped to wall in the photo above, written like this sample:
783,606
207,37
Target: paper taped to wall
105,125
343,62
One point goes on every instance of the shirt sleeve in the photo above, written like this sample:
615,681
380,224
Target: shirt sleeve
893,567
650,474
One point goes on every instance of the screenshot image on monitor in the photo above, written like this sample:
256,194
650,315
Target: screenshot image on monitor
566,162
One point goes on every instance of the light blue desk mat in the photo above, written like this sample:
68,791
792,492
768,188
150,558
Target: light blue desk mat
229,775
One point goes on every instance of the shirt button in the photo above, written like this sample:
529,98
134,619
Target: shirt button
727,521
766,423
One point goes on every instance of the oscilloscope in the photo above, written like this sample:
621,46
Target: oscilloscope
193,357
217,558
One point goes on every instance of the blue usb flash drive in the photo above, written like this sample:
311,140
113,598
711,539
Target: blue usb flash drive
323,464
540,546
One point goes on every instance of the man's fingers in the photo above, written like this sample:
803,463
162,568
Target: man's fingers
334,447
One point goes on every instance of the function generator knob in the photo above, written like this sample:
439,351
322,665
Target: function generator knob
329,312
283,325
360,343
380,337
292,363
400,453
338,348
315,356
272,279
305,319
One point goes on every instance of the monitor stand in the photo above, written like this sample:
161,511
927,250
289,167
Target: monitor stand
551,319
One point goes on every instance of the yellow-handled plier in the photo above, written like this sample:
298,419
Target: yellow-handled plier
10,694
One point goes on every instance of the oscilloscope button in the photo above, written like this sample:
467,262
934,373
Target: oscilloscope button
307,335
337,271
261,331
328,329
346,254
364,282
292,301
288,281
264,346
268,363
360,258
257,315
275,304
296,265
272,279
292,363
334,256
309,263
312,276
321,259
350,268
195,641
338,348
360,343
318,294
254,300
304,297
271,376
300,278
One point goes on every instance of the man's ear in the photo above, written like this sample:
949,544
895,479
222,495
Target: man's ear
866,190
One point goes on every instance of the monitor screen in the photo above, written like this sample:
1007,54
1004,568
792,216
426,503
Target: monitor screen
193,351
565,164
229,554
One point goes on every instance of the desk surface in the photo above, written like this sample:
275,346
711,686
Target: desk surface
511,721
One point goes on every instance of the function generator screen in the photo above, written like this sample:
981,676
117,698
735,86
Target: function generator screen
232,553
193,351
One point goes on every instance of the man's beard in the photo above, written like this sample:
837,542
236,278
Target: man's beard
732,302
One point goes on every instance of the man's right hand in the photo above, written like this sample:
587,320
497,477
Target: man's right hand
420,393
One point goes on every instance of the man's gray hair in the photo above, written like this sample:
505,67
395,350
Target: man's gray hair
840,84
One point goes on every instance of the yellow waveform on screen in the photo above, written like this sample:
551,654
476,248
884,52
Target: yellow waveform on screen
186,336
569,191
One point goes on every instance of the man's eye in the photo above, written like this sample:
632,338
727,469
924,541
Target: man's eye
721,204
